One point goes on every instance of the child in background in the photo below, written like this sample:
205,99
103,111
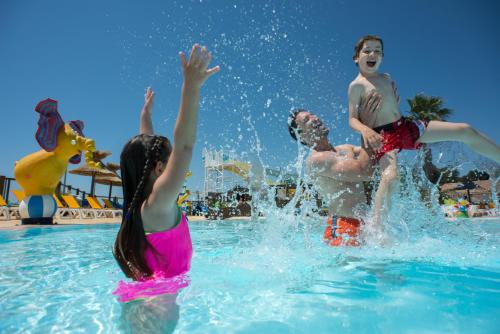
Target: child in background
154,241
374,112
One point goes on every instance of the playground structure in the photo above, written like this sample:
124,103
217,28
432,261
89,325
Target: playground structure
217,162
183,196
225,198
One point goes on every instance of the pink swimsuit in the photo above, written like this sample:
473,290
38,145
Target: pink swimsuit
169,264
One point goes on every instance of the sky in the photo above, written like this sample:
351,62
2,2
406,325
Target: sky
97,57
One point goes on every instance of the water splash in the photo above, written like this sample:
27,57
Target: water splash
267,70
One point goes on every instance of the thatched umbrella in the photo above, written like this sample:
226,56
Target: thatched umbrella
111,180
113,167
93,172
108,170
98,155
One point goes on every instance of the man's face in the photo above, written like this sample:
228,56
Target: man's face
370,56
310,127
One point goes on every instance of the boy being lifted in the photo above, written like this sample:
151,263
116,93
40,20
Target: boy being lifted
374,112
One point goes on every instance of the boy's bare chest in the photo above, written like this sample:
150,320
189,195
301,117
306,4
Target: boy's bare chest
381,85
389,109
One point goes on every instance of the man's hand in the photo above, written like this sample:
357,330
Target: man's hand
371,139
370,103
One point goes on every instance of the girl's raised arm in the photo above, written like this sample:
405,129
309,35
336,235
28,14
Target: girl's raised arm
162,201
146,126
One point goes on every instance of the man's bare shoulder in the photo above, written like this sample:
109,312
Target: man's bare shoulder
345,147
319,158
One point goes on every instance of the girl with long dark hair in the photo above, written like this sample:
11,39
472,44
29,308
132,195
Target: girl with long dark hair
153,240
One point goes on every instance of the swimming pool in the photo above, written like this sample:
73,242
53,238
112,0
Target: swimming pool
249,277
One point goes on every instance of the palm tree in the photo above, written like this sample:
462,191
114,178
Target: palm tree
429,108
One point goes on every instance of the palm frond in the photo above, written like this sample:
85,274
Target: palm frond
429,108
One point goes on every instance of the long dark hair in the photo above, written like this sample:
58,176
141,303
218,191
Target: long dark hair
138,158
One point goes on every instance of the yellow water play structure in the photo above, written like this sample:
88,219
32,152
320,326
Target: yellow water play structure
240,168
183,196
39,173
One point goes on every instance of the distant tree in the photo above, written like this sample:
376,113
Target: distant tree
449,176
429,108
475,175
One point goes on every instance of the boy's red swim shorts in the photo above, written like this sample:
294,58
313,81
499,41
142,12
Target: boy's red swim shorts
400,135
342,231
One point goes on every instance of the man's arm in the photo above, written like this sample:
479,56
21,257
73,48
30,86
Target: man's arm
363,154
354,95
370,104
345,168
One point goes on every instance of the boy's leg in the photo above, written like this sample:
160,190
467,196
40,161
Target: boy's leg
388,185
438,131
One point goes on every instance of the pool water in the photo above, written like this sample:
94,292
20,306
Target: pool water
248,277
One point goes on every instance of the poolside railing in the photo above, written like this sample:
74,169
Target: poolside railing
7,184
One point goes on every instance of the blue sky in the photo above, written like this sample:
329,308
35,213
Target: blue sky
97,57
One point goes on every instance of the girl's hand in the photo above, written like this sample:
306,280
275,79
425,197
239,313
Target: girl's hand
195,70
148,100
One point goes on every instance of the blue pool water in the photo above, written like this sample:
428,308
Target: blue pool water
249,278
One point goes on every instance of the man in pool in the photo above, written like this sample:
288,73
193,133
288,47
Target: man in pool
338,173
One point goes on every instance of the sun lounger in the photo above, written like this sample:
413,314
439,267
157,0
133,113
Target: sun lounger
64,212
100,212
4,209
4,212
8,212
108,205
73,204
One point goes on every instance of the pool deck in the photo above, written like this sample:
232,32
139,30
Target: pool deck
16,223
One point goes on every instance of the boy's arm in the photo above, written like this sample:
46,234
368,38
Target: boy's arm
370,104
393,85
395,90
146,126
166,188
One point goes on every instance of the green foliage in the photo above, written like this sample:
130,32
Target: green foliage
475,175
429,108
449,176
452,176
